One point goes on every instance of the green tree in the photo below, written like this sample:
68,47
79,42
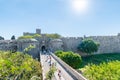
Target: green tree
37,36
13,37
55,36
88,46
26,37
1,38
30,36
19,66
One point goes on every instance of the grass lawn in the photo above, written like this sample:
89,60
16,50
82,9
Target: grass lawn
99,58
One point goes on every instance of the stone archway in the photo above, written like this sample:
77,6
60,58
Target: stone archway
43,48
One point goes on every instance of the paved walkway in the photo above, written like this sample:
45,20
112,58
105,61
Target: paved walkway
46,68
45,65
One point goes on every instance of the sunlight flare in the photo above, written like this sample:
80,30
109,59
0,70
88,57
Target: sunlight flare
79,6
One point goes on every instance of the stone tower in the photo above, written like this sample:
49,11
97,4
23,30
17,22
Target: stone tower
38,31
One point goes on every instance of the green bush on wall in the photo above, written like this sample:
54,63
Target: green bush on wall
72,59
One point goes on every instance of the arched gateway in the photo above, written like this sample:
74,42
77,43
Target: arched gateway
43,48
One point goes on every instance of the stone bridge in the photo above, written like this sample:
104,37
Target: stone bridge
67,73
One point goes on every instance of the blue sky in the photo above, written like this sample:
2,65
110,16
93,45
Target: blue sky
65,17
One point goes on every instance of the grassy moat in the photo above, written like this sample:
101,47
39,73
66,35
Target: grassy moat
101,66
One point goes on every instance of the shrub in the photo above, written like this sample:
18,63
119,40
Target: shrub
50,73
58,53
72,59
29,48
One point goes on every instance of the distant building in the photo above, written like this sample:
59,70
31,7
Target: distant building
38,31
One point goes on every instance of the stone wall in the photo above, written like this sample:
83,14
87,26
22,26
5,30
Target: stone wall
108,44
22,44
71,43
9,45
56,44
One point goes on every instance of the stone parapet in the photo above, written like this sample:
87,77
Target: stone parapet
75,75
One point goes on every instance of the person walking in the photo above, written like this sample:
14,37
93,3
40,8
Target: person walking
59,74
50,60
